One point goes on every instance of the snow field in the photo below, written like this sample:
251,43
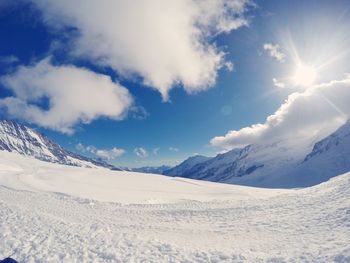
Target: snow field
226,223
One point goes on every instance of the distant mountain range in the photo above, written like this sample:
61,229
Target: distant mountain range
21,139
283,163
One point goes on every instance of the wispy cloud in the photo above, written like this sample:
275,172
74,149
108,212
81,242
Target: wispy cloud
155,151
138,113
279,84
8,59
173,149
275,52
102,153
141,152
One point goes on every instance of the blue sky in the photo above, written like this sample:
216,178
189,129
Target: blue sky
174,128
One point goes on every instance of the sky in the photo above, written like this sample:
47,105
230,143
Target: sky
153,82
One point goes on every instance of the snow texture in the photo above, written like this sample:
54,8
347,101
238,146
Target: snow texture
56,213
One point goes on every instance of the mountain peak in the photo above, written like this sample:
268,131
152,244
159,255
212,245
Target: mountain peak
18,138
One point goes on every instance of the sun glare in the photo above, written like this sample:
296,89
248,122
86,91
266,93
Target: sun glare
305,75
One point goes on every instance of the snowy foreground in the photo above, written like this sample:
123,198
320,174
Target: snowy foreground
56,213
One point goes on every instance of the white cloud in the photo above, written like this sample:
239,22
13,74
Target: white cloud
229,66
102,153
164,42
279,84
110,154
155,151
138,113
275,51
80,147
8,59
141,152
173,149
315,112
74,95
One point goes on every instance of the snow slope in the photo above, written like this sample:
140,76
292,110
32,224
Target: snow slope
57,213
23,173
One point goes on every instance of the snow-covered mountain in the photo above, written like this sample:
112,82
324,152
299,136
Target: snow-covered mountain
284,163
15,137
337,144
220,168
186,166
328,158
252,160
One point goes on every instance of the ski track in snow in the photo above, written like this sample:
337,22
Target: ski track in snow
312,225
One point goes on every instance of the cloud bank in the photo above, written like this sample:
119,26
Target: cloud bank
163,42
315,112
73,95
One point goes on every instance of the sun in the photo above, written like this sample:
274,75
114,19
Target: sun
305,75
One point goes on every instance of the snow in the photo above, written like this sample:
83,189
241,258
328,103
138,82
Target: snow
250,165
186,165
23,173
56,213
46,151
328,158
302,161
21,139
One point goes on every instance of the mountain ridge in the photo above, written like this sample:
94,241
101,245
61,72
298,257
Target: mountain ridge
16,137
285,163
